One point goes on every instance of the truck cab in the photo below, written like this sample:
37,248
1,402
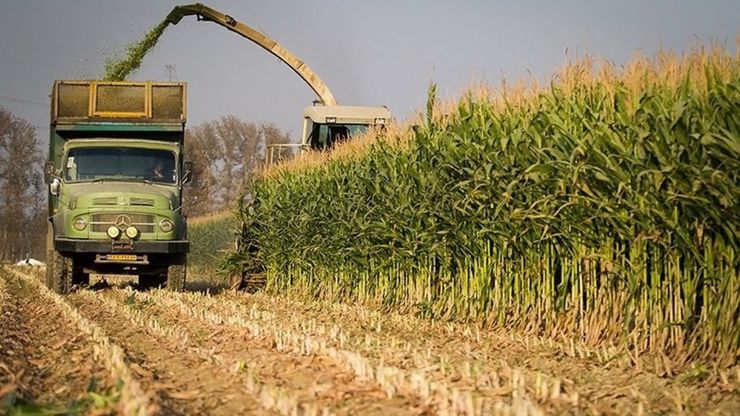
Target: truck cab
116,171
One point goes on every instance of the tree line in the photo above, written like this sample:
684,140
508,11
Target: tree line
226,154
22,195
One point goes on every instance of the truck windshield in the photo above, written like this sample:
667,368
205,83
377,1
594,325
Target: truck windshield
120,163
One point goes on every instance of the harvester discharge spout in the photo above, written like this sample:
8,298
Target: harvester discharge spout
205,13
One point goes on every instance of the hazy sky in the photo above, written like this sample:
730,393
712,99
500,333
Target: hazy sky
368,52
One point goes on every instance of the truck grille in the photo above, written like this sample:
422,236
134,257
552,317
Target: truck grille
105,201
145,223
143,202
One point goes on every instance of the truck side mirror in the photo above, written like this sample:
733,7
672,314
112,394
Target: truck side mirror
49,171
54,186
187,174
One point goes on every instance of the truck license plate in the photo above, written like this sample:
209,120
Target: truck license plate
121,257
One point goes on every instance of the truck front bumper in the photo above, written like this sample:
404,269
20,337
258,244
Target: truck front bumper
101,246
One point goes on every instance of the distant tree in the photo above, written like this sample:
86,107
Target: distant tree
198,197
22,197
226,153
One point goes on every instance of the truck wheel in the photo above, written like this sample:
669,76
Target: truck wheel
49,255
59,275
152,280
176,272
78,276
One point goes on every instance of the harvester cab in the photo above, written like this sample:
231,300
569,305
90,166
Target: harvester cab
326,126
325,123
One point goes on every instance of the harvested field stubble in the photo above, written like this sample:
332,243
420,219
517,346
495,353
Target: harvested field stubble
68,353
508,391
577,378
239,353
602,209
170,363
285,381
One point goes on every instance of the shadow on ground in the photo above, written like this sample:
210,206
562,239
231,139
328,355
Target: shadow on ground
199,282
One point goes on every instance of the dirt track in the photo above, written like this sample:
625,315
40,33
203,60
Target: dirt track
236,353
43,355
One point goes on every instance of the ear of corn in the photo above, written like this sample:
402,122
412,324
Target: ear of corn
603,207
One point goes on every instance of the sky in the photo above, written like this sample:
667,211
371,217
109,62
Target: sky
379,52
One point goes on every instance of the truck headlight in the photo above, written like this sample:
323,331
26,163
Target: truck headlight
79,224
113,232
132,232
166,225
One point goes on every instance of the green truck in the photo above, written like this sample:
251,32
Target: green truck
116,171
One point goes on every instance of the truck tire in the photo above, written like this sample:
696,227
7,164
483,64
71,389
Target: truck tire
58,267
176,272
59,278
79,277
152,280
49,255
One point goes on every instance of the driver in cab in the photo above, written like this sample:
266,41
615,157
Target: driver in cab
156,173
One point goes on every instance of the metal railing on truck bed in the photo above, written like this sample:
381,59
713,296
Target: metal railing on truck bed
74,102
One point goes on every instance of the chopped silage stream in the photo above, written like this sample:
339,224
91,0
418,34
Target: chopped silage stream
119,69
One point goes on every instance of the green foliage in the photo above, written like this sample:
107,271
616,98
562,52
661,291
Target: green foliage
209,241
100,401
607,210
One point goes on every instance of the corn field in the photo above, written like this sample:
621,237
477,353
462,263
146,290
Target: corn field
601,207
210,238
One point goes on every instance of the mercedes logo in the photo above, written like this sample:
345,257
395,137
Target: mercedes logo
122,222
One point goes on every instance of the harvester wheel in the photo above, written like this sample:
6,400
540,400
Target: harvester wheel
237,280
251,282
176,273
